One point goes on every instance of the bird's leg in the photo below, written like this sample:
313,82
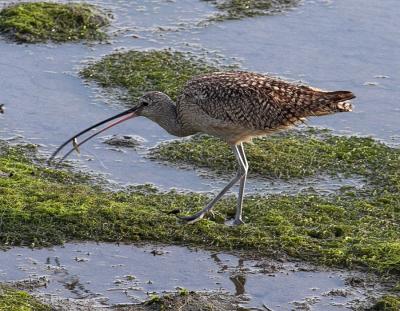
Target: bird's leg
241,172
243,155
238,216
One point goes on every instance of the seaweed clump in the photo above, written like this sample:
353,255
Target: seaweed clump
125,141
237,9
15,300
33,22
386,303
142,71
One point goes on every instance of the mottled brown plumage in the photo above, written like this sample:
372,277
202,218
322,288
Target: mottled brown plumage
258,101
234,106
237,106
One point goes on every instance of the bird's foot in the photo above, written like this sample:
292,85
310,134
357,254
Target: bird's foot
238,222
193,218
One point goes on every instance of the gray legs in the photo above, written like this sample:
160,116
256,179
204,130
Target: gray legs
241,175
245,167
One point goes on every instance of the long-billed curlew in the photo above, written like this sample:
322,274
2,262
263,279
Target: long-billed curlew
234,106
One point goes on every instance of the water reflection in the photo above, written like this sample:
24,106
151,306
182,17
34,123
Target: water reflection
70,282
239,281
237,277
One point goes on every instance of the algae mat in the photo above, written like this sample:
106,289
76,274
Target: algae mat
237,9
143,71
33,22
17,300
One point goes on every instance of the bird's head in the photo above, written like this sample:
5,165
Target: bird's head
152,105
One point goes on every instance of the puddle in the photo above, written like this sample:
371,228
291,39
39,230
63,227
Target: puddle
127,273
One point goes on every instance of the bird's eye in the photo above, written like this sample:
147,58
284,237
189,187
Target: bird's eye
145,104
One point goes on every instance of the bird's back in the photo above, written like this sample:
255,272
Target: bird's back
258,101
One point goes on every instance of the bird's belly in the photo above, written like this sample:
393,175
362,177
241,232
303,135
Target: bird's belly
232,133
235,135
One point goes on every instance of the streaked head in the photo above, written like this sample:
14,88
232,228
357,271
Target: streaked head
152,105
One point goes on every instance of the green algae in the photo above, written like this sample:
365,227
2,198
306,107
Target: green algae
16,300
387,303
142,71
293,154
33,22
40,206
237,9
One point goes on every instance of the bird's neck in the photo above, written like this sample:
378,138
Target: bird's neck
169,121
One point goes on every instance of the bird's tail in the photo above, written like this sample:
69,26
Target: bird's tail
339,95
333,102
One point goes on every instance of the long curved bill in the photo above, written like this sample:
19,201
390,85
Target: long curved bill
119,118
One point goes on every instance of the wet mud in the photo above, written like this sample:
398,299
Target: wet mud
124,141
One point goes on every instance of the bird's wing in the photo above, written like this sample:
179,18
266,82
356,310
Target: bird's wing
251,100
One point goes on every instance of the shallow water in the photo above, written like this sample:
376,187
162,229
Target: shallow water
126,274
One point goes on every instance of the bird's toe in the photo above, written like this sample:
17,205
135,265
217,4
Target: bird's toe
191,219
238,222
